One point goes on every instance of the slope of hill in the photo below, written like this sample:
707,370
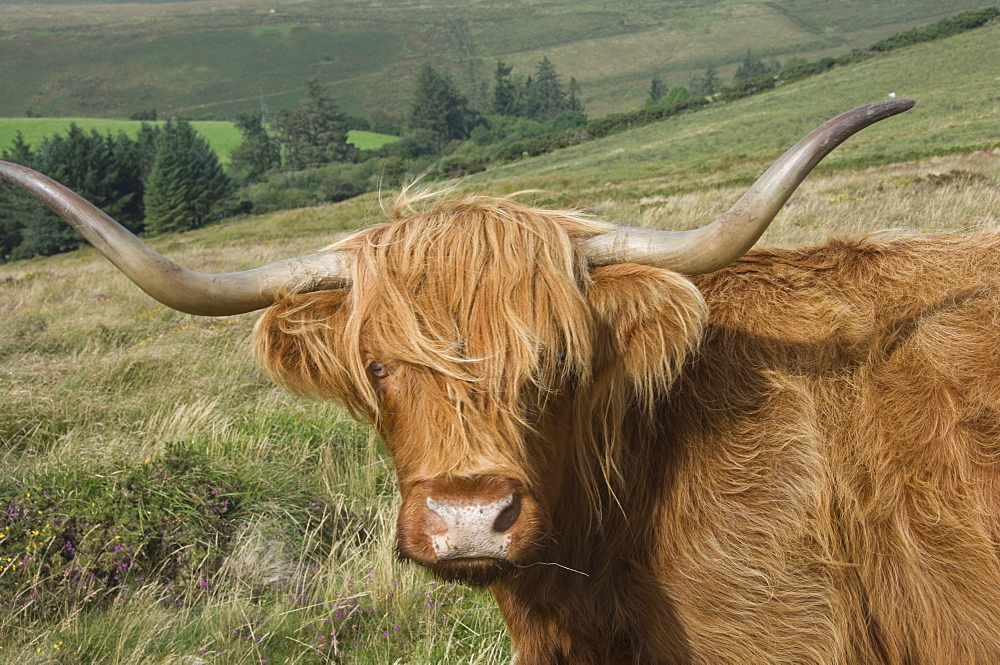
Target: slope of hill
213,59
957,110
125,422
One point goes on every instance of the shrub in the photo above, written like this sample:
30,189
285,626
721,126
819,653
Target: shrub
80,538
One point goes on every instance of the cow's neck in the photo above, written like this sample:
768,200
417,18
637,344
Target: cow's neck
590,595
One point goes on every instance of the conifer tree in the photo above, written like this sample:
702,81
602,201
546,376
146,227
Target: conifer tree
505,92
19,151
438,109
13,204
123,186
547,96
657,89
574,103
186,180
257,154
705,86
146,148
101,168
750,68
39,232
712,81
316,131
10,224
540,97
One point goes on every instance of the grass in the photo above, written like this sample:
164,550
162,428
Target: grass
212,60
295,496
109,396
275,515
364,140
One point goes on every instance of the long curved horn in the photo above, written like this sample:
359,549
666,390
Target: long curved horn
726,239
205,294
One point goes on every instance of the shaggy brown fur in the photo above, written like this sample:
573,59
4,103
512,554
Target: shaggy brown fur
819,483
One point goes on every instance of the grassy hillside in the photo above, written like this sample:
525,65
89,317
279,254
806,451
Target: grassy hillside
125,424
953,81
205,60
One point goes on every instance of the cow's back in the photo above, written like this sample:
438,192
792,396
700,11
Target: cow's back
835,495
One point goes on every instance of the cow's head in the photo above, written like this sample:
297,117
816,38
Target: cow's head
495,347
472,335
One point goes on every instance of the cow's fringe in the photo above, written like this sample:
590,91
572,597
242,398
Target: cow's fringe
486,315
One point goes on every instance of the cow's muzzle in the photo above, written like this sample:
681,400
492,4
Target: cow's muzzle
476,529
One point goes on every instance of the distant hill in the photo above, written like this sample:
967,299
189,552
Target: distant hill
211,60
956,111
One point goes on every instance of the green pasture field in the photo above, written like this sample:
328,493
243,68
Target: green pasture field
256,526
213,60
222,136
364,140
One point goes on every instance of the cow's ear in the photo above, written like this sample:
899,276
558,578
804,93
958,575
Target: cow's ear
648,320
299,343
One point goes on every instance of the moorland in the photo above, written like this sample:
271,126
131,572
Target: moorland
163,502
207,60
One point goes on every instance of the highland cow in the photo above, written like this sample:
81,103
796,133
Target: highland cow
659,447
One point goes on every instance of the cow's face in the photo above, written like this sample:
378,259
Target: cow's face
485,352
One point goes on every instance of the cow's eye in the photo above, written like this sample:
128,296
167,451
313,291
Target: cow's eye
377,370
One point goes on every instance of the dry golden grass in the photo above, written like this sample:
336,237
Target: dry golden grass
96,376
956,193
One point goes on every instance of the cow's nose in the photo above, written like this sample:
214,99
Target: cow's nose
460,529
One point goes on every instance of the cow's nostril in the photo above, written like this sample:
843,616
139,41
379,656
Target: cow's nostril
505,520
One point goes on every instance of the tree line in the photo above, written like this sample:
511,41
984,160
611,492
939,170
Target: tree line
165,179
530,114
301,157
314,133
708,84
